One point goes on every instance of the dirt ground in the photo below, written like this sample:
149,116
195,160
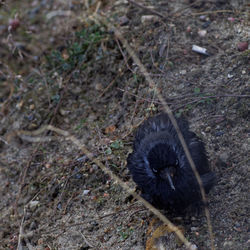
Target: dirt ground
60,66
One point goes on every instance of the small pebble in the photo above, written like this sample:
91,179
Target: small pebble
91,118
47,165
33,204
63,112
242,46
95,167
32,106
59,206
224,156
76,90
85,192
237,224
202,33
78,176
227,243
194,228
82,158
149,19
66,120
14,24
208,129
19,105
193,247
188,29
219,133
33,225
33,126
30,117
206,24
231,19
123,20
40,241
98,86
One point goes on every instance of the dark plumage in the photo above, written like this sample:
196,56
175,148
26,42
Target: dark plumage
160,168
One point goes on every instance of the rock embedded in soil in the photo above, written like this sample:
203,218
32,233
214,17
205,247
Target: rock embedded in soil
242,46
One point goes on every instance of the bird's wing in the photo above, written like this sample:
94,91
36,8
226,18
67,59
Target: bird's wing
156,124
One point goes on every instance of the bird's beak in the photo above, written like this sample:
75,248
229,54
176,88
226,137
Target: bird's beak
165,174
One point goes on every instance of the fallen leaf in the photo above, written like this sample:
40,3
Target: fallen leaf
110,129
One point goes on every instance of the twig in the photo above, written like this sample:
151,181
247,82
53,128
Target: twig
124,56
208,115
147,9
20,237
4,141
86,241
212,12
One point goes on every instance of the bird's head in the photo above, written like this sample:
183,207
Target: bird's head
163,162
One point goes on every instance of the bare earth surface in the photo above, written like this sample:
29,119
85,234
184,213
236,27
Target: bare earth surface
59,66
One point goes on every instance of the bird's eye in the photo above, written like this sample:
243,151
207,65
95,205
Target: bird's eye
154,170
176,162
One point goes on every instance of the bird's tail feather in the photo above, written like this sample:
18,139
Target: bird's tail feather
208,181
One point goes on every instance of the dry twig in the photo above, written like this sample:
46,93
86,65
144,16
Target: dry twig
147,9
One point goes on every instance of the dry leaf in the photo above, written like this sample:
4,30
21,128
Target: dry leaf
110,129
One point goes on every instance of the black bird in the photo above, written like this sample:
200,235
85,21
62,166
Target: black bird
160,167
